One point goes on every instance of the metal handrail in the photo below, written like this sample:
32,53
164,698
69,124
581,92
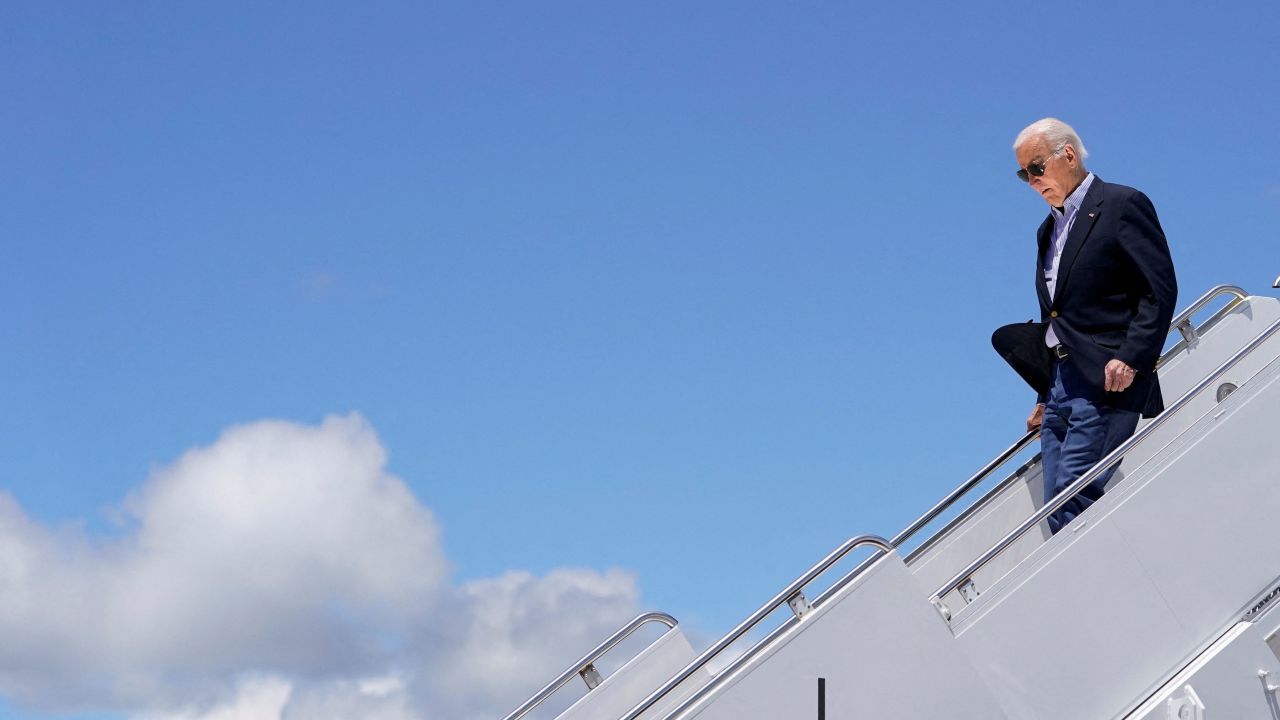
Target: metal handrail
961,518
790,592
588,660
946,502
1102,466
1207,298
1181,323
964,488
727,671
940,507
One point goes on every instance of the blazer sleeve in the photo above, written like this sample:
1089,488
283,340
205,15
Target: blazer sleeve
1143,241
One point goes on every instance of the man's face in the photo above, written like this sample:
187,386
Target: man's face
1061,171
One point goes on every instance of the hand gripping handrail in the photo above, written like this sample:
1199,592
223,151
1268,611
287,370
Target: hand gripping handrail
587,663
791,592
1102,466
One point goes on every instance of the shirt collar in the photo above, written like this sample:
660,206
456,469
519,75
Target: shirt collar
1073,201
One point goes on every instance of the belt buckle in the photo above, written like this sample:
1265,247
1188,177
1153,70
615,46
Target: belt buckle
1059,351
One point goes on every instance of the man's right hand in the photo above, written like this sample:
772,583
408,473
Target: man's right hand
1037,417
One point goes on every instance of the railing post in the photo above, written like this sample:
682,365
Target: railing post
799,604
591,676
586,667
1188,331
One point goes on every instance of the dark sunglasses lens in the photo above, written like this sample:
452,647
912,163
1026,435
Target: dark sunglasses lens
1036,169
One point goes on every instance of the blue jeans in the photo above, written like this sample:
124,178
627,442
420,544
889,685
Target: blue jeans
1076,434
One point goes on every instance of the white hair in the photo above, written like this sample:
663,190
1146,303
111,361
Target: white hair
1055,132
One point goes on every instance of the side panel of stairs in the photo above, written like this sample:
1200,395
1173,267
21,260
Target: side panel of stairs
1099,613
1179,374
881,650
1085,624
1224,679
632,682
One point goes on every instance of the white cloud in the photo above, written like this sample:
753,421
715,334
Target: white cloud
259,698
281,573
371,699
519,627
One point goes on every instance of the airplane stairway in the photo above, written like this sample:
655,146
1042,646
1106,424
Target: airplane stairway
1154,603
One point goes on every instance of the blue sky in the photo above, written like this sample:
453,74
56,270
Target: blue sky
696,291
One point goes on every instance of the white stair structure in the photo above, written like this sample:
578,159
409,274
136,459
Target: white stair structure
1158,602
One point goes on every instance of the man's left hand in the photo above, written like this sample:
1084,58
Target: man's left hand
1117,377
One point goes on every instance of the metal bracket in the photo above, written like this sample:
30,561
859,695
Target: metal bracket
1265,677
968,591
942,608
799,604
1188,331
591,676
1186,707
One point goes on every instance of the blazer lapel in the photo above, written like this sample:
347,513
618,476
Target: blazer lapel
1043,237
1088,214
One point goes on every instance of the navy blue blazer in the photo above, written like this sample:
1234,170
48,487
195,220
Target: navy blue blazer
1115,292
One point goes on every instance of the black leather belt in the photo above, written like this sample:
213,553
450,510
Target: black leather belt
1059,351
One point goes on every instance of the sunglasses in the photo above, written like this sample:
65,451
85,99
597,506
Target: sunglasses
1036,168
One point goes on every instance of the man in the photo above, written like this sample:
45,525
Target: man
1107,290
